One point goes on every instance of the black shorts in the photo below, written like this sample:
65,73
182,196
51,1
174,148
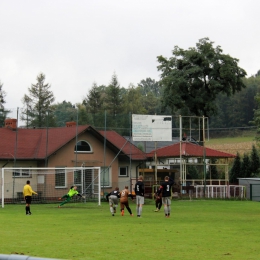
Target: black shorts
28,199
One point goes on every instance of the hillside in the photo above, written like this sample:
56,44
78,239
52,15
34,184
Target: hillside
232,145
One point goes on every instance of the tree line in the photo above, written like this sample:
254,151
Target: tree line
200,81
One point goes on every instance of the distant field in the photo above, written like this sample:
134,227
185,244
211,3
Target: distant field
233,145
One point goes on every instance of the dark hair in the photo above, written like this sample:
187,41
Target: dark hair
71,187
28,182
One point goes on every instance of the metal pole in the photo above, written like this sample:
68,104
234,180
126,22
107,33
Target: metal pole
3,182
204,154
76,154
16,137
47,137
180,122
105,138
15,149
130,157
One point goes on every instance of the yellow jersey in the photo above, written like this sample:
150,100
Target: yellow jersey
27,190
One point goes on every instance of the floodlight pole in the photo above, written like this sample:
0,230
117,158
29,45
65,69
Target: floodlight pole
181,174
105,139
155,158
47,137
204,154
77,123
130,157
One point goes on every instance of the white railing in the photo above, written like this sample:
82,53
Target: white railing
219,191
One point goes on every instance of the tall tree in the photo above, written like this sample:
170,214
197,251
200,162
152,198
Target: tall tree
245,167
3,112
193,78
235,171
37,103
150,85
94,101
133,102
63,112
255,162
113,97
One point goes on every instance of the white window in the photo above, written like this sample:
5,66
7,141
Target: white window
60,178
105,177
123,171
82,147
22,173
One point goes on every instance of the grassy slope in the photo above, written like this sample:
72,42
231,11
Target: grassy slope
198,229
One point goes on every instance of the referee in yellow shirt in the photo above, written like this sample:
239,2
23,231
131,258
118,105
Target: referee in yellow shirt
27,193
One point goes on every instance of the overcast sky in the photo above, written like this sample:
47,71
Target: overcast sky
75,43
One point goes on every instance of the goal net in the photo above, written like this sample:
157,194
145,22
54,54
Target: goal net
50,184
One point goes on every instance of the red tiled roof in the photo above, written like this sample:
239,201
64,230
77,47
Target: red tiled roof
31,143
188,150
127,147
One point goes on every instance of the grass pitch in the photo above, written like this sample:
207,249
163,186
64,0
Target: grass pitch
197,229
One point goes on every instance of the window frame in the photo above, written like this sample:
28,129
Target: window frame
126,170
109,181
78,151
22,173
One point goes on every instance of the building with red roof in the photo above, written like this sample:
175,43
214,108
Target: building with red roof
70,146
84,146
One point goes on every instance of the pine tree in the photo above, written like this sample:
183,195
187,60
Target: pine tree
3,112
113,97
245,167
37,103
235,171
255,162
94,102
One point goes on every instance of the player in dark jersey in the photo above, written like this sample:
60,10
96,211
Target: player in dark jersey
139,192
112,197
166,189
158,200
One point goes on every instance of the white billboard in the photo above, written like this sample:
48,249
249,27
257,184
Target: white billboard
151,128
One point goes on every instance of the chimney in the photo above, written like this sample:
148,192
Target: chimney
10,123
70,124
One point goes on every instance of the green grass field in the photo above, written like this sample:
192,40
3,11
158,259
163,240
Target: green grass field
197,229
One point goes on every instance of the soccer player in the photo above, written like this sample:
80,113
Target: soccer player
27,193
124,194
113,200
158,200
166,188
139,192
73,191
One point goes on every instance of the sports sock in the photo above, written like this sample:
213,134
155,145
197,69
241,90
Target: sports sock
129,210
165,210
